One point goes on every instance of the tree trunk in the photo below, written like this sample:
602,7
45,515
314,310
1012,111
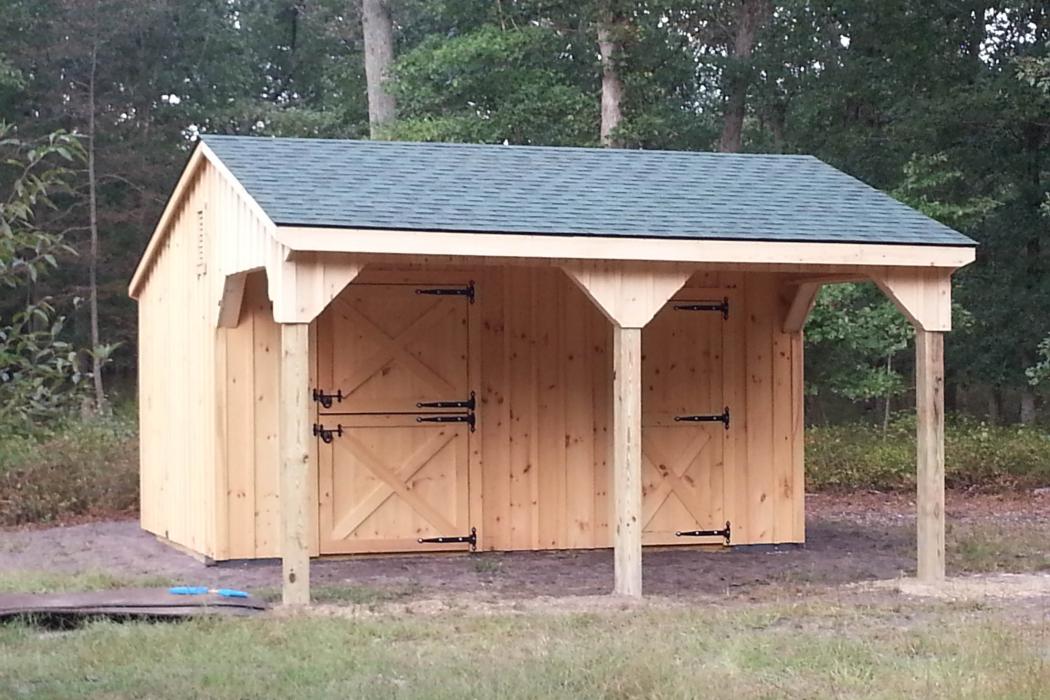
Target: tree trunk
1028,412
96,342
379,59
610,47
748,18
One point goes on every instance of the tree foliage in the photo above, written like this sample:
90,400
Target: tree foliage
39,369
941,103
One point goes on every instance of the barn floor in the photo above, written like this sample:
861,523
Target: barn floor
852,538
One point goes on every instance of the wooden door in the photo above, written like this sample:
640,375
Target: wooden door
682,461
392,471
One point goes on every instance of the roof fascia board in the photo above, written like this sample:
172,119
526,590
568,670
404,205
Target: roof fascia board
201,154
506,245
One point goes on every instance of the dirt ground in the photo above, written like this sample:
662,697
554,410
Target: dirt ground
850,539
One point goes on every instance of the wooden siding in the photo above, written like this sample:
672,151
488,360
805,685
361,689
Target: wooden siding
545,400
540,356
177,378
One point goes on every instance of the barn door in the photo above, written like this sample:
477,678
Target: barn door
395,418
684,421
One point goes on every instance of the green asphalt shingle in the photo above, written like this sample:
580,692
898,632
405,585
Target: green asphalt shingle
568,191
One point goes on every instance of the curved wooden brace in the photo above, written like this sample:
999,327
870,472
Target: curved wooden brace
628,293
924,296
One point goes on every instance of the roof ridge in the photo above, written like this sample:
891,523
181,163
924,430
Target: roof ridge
497,146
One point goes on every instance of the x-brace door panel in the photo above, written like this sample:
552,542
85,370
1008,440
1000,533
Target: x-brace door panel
683,461
389,475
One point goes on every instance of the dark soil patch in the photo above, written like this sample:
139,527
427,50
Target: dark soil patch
859,537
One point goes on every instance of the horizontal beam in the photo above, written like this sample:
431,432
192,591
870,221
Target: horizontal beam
516,245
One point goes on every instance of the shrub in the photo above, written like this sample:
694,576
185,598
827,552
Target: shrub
978,456
82,467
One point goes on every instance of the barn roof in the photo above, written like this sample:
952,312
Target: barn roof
567,191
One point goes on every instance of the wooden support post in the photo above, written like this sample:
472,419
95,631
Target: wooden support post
929,404
626,450
294,443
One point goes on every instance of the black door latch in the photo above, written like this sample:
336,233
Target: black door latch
327,434
467,291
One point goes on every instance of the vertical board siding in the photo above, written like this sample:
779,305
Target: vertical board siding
544,380
177,406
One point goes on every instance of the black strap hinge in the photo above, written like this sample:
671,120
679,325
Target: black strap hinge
725,533
469,404
467,418
722,418
471,539
327,434
722,306
467,291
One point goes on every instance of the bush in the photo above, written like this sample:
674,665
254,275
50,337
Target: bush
978,456
82,467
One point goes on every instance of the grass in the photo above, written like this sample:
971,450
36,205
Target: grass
21,581
824,649
989,548
346,594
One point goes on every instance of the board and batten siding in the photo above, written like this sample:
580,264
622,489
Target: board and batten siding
208,401
544,407
178,409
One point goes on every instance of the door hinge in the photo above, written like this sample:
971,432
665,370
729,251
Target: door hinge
722,306
722,418
327,434
326,399
471,539
467,291
467,418
468,404
725,533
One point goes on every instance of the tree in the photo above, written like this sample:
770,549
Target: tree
610,48
38,369
748,18
378,30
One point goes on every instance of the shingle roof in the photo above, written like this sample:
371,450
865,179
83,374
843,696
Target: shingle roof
567,191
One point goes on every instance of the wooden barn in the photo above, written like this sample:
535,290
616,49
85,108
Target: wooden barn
355,347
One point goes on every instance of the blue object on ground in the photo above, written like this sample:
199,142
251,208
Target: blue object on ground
188,590
231,593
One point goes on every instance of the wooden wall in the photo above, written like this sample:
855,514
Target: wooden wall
177,376
544,392
251,354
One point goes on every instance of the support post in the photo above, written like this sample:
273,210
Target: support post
626,450
929,404
294,444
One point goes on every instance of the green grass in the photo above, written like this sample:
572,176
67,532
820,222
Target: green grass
811,650
989,548
346,594
52,582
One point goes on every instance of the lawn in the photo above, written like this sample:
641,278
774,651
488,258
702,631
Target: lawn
885,647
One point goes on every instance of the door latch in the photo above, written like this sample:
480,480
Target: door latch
327,434
326,399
